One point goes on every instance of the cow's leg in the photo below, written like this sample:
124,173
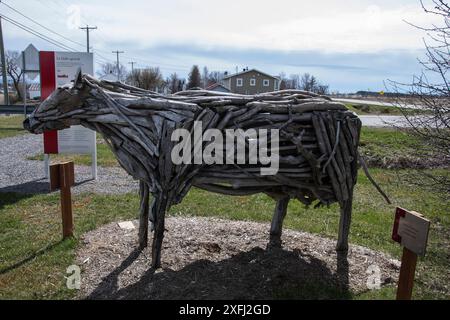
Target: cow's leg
344,225
277,222
159,206
143,216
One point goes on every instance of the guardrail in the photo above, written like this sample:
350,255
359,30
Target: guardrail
16,109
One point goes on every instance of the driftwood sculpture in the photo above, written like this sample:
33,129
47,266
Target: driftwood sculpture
317,147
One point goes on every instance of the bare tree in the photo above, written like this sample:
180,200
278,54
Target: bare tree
133,78
205,77
322,89
195,78
111,68
150,79
429,95
284,81
216,77
175,84
307,82
14,71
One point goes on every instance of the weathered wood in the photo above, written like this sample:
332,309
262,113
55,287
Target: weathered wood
344,225
144,215
318,156
277,222
406,277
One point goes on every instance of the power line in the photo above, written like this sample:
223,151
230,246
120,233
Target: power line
55,5
48,39
37,34
41,25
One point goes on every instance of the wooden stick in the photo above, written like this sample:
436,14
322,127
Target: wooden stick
407,272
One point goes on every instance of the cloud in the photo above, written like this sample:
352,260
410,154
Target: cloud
351,44
287,25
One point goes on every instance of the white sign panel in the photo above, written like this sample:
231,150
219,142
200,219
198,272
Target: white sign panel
413,229
76,139
31,57
68,63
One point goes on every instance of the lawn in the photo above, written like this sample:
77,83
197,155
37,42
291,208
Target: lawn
33,260
11,126
105,158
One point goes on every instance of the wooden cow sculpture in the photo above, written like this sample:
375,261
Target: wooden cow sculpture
317,145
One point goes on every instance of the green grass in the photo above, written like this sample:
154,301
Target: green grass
29,224
105,157
388,142
33,259
11,126
370,109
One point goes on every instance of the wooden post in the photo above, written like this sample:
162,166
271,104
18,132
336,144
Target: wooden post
62,177
406,278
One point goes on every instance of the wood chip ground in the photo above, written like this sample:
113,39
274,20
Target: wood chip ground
205,258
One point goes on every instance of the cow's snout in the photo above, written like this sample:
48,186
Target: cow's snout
32,125
26,124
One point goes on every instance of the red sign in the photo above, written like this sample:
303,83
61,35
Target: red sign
399,213
48,85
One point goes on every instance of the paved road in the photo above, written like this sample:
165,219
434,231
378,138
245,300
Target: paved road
384,121
375,103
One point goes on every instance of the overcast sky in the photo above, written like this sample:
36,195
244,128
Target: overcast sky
351,45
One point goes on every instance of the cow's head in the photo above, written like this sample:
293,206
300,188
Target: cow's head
57,111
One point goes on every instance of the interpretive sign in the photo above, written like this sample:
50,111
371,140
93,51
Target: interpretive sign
411,230
58,69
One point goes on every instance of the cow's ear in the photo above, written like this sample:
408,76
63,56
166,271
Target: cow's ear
78,83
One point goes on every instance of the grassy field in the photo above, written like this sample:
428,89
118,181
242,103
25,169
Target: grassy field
11,126
33,260
105,158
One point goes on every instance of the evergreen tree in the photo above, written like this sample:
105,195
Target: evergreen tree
195,78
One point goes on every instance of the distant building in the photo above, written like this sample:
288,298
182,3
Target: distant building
109,77
34,91
217,87
251,82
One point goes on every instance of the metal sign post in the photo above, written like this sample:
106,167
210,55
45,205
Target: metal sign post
24,85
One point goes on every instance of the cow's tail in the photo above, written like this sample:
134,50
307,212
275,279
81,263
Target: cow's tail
363,164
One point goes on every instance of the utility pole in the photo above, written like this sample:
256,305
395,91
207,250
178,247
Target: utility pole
87,28
118,64
132,65
3,61
132,73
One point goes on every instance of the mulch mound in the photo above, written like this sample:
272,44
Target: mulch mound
204,258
